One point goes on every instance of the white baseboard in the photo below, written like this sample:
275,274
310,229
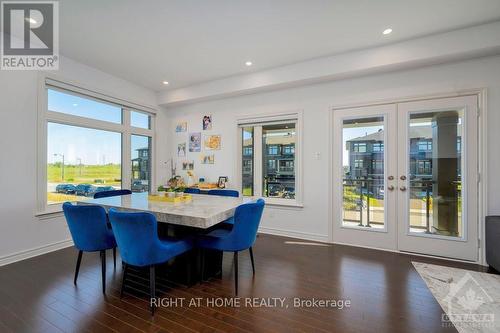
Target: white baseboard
22,255
294,234
410,253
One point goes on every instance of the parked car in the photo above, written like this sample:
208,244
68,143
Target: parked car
66,188
97,189
84,189
139,186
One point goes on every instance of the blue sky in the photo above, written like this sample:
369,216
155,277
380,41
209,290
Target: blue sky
90,145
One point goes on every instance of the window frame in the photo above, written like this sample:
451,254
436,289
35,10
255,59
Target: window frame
46,116
257,122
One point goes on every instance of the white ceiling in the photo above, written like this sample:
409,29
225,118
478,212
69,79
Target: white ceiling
187,41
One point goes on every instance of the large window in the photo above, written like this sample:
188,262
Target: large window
81,161
274,148
86,139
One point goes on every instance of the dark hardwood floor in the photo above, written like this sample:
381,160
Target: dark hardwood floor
385,291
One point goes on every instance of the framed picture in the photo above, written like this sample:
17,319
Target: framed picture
212,142
207,159
207,123
181,127
222,182
181,149
195,142
188,165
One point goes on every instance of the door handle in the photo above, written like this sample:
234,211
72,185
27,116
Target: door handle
403,177
402,188
390,178
390,188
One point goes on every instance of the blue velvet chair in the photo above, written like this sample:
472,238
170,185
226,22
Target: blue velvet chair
241,237
192,190
225,193
113,193
137,238
87,225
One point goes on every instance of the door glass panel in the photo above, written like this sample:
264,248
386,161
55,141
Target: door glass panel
363,161
435,173
141,163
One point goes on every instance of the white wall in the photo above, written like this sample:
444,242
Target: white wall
315,100
20,230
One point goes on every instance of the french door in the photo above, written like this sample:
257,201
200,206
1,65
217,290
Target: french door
406,177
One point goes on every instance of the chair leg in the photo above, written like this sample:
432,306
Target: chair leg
103,263
114,258
236,272
251,258
152,287
78,262
124,278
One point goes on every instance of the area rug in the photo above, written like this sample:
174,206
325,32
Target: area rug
470,300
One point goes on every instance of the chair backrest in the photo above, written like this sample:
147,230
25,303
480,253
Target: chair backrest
246,223
87,225
225,193
192,190
112,193
136,235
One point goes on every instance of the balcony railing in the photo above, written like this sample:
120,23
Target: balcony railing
361,194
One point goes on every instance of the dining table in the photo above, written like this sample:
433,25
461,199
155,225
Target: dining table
199,215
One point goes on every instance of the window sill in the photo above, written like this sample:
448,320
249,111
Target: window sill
275,203
50,213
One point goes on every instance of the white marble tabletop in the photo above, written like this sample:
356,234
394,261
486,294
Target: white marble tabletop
202,212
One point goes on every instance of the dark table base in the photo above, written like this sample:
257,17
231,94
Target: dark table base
186,268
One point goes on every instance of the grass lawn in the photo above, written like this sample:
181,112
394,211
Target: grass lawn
109,174
247,191
60,197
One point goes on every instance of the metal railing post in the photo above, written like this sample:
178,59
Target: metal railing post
427,208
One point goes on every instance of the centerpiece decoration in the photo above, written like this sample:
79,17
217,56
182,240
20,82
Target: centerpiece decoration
174,191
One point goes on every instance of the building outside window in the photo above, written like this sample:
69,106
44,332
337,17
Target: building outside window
359,147
377,166
272,150
288,150
271,164
425,145
424,167
378,147
247,151
358,164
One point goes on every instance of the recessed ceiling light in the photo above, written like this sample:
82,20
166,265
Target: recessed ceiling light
75,105
387,31
248,63
165,82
